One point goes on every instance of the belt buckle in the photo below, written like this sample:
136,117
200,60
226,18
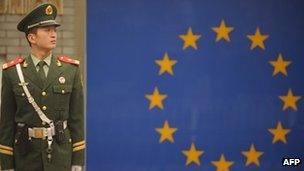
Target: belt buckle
39,133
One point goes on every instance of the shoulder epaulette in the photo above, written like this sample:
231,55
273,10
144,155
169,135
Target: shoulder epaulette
67,59
13,62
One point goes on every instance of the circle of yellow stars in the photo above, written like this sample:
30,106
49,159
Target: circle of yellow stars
193,154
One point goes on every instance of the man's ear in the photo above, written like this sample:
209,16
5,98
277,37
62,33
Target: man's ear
31,38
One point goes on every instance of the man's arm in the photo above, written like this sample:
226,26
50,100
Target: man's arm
76,121
8,110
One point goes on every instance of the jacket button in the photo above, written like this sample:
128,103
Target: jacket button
43,107
62,91
43,93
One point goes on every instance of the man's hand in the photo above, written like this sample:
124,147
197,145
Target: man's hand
76,168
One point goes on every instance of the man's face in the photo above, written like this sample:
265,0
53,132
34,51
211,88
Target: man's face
45,37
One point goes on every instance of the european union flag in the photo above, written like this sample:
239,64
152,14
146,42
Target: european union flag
178,85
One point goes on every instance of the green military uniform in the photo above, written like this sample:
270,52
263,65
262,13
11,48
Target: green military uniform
59,96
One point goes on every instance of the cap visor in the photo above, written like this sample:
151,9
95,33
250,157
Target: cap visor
49,24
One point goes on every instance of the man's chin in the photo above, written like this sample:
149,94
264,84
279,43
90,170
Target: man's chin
52,47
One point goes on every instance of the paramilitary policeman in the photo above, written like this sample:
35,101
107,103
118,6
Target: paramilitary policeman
42,116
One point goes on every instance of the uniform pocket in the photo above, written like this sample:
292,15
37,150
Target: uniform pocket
62,95
62,89
21,98
19,91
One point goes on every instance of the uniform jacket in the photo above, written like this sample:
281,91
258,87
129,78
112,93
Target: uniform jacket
59,100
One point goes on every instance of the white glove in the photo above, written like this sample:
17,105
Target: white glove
76,168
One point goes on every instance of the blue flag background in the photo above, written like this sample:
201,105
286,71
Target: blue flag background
223,97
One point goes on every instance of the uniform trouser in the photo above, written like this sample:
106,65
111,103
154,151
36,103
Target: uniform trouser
36,158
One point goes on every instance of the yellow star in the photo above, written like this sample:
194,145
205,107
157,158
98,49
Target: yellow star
257,39
279,133
193,155
166,133
166,65
280,65
189,39
222,164
222,32
252,156
156,99
290,100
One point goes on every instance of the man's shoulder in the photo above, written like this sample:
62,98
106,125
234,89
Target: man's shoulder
11,63
68,60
